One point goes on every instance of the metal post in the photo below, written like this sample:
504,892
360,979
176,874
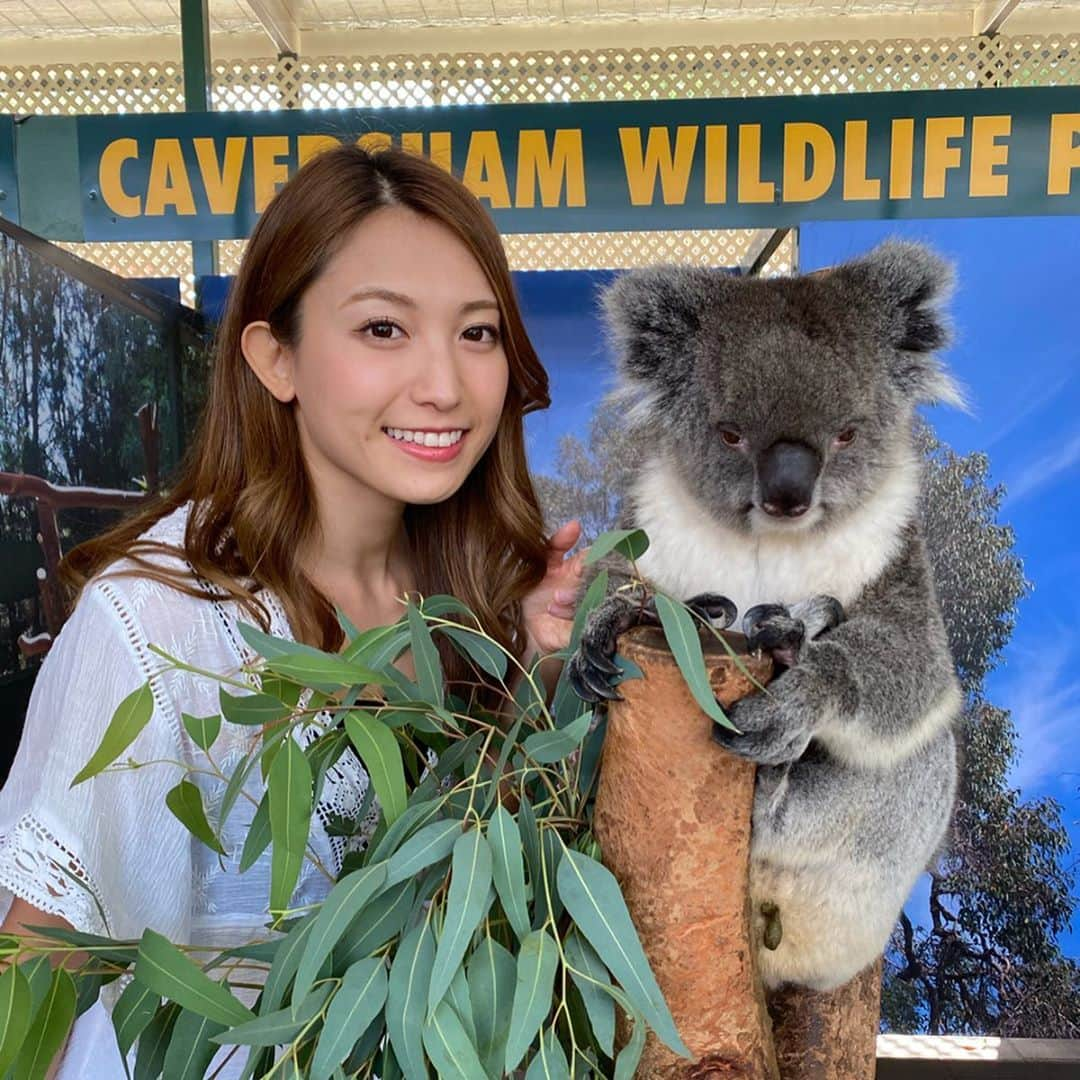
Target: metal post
195,44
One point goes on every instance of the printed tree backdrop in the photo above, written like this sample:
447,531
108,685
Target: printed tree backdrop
980,954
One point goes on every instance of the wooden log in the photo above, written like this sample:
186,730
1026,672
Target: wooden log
673,816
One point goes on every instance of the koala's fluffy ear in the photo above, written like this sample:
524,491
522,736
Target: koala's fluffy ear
654,315
910,283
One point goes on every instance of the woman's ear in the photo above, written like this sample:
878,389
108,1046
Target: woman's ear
271,361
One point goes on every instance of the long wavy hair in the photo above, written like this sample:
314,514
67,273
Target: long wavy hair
253,505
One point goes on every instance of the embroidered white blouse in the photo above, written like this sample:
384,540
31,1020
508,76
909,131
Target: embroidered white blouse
108,855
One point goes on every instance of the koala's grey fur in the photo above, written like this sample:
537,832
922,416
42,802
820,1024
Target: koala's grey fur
857,757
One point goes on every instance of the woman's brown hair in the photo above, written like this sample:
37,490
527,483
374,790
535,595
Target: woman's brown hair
253,508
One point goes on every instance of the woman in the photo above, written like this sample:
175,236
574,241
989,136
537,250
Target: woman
362,439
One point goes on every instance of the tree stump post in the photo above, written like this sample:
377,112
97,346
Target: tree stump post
673,814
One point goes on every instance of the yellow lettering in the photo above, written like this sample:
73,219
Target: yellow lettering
857,185
901,158
563,164
752,189
110,180
715,163
1064,152
484,174
799,184
413,141
307,146
439,146
222,182
986,153
168,184
939,156
642,167
268,170
374,141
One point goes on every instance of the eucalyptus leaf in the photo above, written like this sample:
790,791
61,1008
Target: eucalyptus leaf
486,654
429,673
166,970
466,905
380,751
548,747
154,1042
278,1027
534,981
595,902
492,973
39,974
359,1000
549,1062
457,997
627,1062
406,1000
589,975
589,762
681,633
340,907
252,710
285,964
258,835
203,730
185,802
190,1049
428,845
288,790
325,670
508,869
379,921
120,953
566,706
48,1029
16,1014
448,1045
379,647
416,815
134,1009
630,543
127,723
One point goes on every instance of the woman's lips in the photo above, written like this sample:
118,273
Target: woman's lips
430,453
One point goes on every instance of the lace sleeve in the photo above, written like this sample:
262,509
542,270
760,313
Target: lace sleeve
106,855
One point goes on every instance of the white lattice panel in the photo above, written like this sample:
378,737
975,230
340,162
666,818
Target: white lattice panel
151,258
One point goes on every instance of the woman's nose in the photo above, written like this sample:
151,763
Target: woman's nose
438,381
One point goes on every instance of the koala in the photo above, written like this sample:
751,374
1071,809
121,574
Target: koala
777,478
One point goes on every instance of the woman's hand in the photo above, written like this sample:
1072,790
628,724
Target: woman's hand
549,608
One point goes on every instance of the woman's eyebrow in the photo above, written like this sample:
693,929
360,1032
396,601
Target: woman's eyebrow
479,305
376,293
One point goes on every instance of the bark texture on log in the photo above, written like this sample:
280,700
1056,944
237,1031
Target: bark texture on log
673,819
828,1036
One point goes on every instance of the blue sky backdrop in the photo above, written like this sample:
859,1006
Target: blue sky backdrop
1017,351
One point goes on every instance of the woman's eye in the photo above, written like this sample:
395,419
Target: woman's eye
383,329
485,333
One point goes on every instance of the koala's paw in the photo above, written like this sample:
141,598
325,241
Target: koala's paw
783,632
714,608
774,726
592,665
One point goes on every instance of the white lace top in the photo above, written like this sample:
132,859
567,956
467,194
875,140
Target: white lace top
108,855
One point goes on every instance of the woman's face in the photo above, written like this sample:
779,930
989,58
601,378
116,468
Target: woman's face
399,376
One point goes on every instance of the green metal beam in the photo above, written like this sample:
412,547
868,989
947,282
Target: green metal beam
195,43
47,164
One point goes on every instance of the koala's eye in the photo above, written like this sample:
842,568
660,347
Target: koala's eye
731,438
846,437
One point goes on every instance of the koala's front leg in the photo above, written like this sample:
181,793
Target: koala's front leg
776,725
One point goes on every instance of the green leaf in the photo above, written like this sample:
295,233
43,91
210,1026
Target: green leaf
185,801
131,716
252,710
457,997
595,903
547,747
357,1003
429,673
338,910
203,730
380,752
466,905
589,975
449,1048
530,844
134,1009
289,792
39,974
103,948
536,964
566,706
190,1049
492,973
427,846
685,644
378,647
234,787
264,952
49,1029
508,869
589,762
258,834
365,1049
627,1062
154,1042
484,653
551,848
285,964
281,1026
406,1000
16,1012
165,969
88,990
630,543
549,1062
375,925
325,670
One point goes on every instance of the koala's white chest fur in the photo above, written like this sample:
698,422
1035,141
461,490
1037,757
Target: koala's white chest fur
690,553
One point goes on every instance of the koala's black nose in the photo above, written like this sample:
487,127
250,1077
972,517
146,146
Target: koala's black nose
787,472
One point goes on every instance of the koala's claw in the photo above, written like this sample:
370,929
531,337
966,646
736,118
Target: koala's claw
772,629
717,609
589,683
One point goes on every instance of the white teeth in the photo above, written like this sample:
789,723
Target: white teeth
425,438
